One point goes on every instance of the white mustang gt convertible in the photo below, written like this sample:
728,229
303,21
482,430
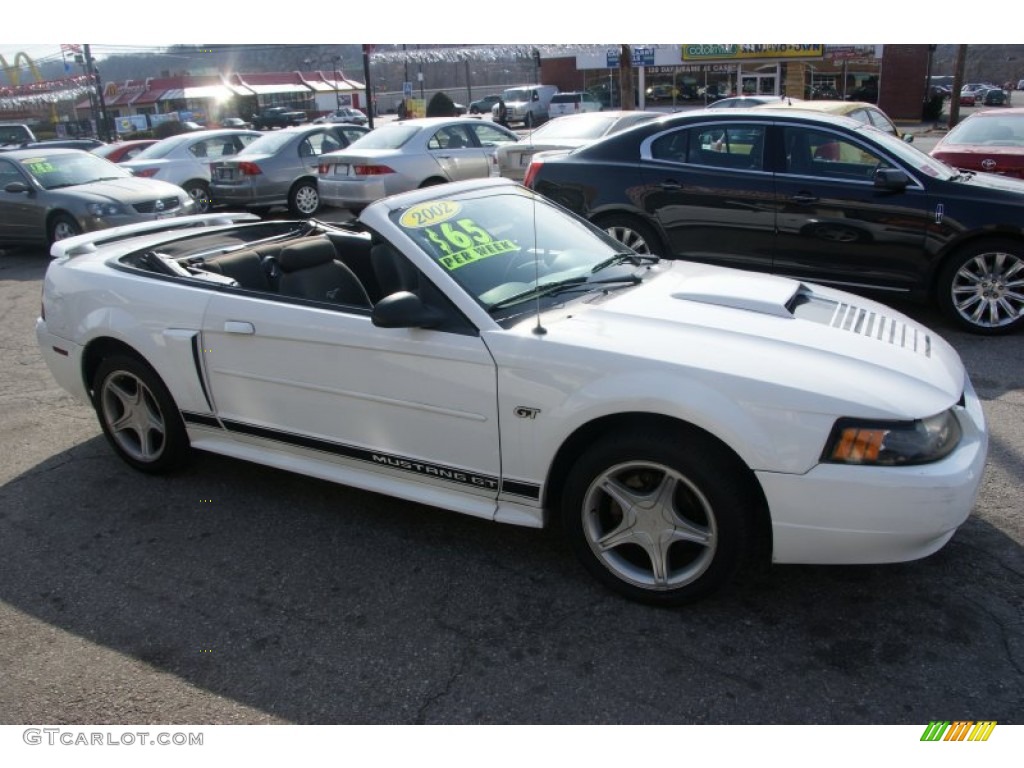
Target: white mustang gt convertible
474,347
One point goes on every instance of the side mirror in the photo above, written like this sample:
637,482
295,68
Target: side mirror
17,186
405,310
908,137
891,179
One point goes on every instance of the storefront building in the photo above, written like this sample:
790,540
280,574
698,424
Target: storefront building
688,74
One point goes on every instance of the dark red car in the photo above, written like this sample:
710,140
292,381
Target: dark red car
123,150
991,141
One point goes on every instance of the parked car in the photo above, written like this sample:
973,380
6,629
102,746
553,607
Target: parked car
397,157
185,159
477,348
235,122
280,168
277,117
121,151
812,196
990,140
572,103
50,195
86,145
527,104
824,92
564,133
345,115
967,100
483,106
994,97
861,111
742,102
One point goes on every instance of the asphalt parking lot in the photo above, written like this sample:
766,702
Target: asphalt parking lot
232,594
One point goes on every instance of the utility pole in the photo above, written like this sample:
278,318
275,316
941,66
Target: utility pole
958,83
367,50
94,79
626,96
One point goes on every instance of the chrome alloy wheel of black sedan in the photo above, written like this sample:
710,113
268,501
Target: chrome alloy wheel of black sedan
816,197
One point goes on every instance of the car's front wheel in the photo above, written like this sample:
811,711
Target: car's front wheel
304,199
981,287
61,226
138,415
633,233
199,191
662,518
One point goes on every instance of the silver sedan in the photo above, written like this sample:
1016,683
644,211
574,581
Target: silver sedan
566,132
401,156
280,168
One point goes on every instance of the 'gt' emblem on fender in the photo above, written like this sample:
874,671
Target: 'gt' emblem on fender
522,412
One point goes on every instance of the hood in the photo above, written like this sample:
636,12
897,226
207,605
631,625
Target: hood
825,348
128,190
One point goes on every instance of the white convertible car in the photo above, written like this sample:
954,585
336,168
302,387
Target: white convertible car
474,347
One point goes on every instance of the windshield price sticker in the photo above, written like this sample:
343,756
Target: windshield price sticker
37,166
476,253
426,214
463,242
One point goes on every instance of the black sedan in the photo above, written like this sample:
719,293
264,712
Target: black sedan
817,197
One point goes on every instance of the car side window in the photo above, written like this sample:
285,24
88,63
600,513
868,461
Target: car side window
450,137
8,174
740,147
489,136
829,155
881,122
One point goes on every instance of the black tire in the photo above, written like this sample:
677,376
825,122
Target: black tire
138,415
62,226
304,199
632,232
199,191
980,287
681,486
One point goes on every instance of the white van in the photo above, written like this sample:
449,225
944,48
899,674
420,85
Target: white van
527,104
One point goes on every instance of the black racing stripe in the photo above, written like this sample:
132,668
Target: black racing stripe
202,419
197,359
516,488
376,458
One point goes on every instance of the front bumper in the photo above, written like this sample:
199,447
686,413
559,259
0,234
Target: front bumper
842,514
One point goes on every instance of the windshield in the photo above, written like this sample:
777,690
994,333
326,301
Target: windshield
1000,131
908,154
162,148
516,94
268,144
510,247
391,136
71,169
591,126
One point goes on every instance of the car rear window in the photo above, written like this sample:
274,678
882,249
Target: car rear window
566,98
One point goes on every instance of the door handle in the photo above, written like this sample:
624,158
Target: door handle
239,326
670,185
804,198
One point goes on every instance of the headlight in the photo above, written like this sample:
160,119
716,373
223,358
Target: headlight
104,209
892,443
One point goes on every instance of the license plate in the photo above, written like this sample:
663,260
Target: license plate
524,159
341,169
225,173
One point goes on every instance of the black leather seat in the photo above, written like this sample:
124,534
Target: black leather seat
394,272
309,270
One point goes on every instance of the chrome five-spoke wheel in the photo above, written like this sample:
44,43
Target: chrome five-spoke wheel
984,288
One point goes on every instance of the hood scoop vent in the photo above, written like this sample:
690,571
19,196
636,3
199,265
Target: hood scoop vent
863,322
765,294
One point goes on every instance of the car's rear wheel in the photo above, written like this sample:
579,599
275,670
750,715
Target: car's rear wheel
633,233
663,518
199,191
304,199
138,415
981,287
62,226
